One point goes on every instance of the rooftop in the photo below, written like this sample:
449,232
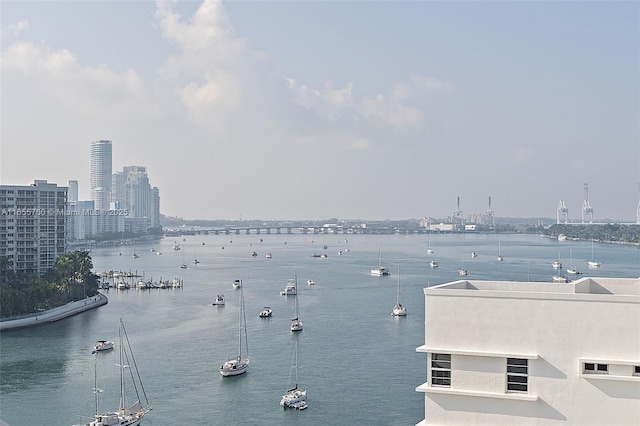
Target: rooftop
584,286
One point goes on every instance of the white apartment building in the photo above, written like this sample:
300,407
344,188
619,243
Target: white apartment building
33,225
101,153
524,353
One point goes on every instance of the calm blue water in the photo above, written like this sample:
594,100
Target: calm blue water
358,363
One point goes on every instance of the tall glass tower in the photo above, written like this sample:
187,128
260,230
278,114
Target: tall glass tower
101,174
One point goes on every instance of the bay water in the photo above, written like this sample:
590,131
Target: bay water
357,362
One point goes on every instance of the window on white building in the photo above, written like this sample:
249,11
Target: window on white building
593,368
441,369
517,375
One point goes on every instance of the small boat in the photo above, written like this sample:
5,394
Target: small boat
557,264
294,396
195,259
380,270
291,289
430,250
463,272
500,258
237,284
562,237
474,254
238,365
219,300
315,255
296,324
103,345
433,263
266,312
183,266
323,255
125,415
254,254
593,263
311,282
572,269
560,279
398,310
268,256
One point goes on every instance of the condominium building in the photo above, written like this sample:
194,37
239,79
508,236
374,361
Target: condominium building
33,225
101,174
523,353
133,193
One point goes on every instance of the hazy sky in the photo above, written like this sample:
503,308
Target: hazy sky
348,109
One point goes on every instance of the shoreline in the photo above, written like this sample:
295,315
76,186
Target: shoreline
55,314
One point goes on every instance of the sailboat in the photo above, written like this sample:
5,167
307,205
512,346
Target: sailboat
184,265
135,255
296,324
572,269
380,270
398,309
195,259
127,415
295,397
238,365
593,263
429,249
500,258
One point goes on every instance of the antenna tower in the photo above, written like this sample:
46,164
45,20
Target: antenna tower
491,220
457,215
587,210
562,215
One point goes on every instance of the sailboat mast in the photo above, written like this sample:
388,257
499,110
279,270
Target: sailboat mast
95,380
398,297
121,345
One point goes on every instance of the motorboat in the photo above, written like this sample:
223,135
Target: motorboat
463,272
379,271
474,254
268,256
103,345
433,263
291,289
266,312
237,284
562,237
219,300
254,254
311,282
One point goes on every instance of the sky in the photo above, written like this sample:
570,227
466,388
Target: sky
371,110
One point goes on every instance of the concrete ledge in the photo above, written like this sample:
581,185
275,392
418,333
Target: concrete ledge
55,314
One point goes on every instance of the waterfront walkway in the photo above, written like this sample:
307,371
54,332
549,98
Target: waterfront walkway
55,314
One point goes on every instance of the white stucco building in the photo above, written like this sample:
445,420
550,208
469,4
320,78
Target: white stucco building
523,353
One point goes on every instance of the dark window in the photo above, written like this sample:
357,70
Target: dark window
594,368
517,374
441,369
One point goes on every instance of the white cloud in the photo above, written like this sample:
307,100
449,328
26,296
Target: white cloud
19,27
391,113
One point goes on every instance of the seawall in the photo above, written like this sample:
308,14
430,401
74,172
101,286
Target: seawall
55,314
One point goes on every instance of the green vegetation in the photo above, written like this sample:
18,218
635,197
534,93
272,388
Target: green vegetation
70,279
616,233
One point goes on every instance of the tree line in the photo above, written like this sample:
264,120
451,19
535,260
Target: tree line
69,280
616,233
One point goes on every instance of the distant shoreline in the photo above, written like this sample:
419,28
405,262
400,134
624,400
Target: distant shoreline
53,315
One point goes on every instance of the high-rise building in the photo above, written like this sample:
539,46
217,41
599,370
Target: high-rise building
527,353
101,174
133,193
33,225
72,195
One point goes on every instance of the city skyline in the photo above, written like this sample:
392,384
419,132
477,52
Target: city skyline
372,110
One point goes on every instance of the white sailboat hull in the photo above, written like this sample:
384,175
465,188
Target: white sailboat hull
399,311
234,367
